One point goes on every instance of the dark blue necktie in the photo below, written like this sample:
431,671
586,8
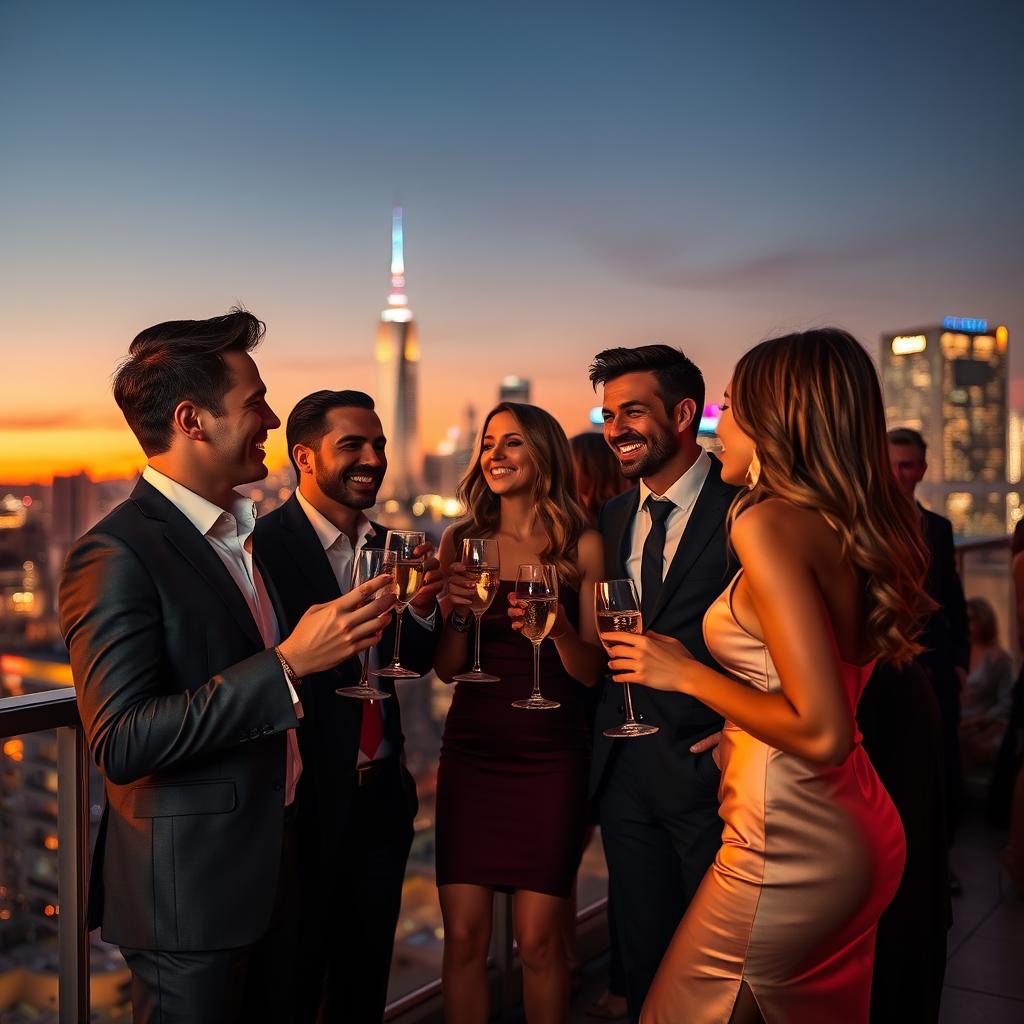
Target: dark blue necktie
653,557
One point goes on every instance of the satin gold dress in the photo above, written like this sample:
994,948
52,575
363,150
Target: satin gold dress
811,855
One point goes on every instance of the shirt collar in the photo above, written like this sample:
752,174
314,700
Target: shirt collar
683,493
202,514
326,531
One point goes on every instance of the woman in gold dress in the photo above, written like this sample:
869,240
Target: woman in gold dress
783,925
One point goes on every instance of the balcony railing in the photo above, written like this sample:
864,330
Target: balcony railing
56,710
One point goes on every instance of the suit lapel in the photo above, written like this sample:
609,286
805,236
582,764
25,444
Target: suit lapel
308,556
705,519
620,534
196,550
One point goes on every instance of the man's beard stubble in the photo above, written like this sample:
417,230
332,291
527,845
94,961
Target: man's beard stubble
659,452
336,489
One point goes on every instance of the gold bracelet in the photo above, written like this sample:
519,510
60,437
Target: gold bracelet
288,670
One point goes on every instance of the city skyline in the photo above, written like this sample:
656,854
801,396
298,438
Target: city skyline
573,178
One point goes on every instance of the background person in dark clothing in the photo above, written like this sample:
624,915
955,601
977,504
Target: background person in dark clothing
946,637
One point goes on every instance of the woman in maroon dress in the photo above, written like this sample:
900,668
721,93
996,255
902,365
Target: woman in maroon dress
511,783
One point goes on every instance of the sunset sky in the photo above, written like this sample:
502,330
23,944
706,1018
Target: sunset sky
574,175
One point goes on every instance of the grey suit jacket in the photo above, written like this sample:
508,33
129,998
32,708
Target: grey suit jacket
185,713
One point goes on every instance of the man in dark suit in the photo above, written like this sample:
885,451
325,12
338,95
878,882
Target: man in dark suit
658,794
188,694
946,637
357,801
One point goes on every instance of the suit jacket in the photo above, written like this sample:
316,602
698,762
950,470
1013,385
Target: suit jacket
946,636
185,712
699,572
329,738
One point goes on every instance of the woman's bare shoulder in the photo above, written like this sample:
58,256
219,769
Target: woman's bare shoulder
784,529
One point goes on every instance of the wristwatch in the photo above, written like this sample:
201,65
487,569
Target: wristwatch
460,623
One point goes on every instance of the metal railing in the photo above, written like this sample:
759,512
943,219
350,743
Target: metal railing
57,710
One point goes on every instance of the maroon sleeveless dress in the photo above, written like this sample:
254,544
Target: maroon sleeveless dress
512,784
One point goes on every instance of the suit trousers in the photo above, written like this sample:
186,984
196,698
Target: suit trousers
661,831
245,985
350,908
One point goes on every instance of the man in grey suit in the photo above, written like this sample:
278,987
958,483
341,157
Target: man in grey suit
189,695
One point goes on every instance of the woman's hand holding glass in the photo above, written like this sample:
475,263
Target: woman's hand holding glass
651,659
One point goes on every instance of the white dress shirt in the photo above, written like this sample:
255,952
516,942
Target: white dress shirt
230,536
683,493
342,557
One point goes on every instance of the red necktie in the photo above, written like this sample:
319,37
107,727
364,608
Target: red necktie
372,730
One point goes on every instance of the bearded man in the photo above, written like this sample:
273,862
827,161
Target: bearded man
357,801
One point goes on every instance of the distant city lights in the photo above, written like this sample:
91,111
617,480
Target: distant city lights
906,344
972,325
709,418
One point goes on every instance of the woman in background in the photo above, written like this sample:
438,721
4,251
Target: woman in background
988,691
598,474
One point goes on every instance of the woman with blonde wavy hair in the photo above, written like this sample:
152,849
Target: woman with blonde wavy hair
511,783
783,925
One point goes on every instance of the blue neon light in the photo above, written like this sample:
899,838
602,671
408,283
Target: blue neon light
970,325
595,416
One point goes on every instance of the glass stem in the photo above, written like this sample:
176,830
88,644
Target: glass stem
630,720
536,670
365,679
395,663
476,656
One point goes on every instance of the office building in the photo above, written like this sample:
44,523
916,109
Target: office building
949,382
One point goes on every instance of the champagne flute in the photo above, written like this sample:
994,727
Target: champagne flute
617,610
537,595
409,577
480,557
370,563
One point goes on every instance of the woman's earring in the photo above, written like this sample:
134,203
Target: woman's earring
753,470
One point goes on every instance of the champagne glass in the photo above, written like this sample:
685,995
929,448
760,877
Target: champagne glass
617,609
480,557
537,595
409,576
370,563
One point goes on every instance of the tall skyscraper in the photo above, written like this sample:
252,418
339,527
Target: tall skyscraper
950,383
397,354
514,389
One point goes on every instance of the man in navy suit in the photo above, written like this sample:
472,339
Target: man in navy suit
658,794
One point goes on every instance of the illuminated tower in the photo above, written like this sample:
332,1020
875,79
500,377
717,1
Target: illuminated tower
397,354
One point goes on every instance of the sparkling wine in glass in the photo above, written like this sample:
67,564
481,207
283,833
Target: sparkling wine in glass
408,577
617,609
537,595
480,557
371,562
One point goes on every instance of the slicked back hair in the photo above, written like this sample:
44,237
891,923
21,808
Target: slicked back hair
307,422
677,376
909,436
179,361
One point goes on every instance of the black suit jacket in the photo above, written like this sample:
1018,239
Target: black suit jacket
185,712
700,570
329,738
946,637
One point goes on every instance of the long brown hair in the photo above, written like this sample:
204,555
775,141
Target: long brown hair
812,405
598,476
554,490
